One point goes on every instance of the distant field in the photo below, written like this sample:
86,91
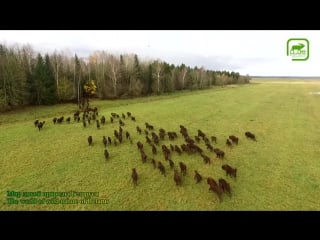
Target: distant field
287,80
281,171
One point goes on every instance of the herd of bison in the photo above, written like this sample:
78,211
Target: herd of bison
190,146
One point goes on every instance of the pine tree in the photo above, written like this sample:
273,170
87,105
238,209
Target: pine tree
50,88
17,79
37,90
137,74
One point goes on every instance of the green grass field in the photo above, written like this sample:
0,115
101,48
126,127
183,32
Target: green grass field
281,171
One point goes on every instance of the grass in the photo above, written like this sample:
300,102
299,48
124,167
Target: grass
281,171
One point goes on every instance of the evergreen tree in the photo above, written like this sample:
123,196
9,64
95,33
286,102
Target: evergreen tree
49,83
26,78
137,75
37,82
12,79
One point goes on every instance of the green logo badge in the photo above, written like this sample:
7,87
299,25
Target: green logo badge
298,49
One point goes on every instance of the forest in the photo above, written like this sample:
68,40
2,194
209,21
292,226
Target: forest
28,77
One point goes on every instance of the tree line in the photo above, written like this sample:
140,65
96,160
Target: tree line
29,78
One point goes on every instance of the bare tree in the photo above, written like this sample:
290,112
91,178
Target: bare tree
184,74
201,77
114,73
157,74
57,62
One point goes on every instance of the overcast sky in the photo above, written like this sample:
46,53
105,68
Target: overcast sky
248,52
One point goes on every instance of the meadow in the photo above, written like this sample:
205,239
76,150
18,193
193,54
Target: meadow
281,171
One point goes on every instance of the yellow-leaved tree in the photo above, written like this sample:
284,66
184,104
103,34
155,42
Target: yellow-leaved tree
90,90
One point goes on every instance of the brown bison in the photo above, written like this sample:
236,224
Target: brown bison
209,147
224,185
106,154
183,168
103,120
234,139
154,163
90,140
211,181
197,176
171,164
139,130
139,145
229,170
177,149
41,124
251,136
177,178
161,168
127,135
134,176
215,187
219,153
206,159
143,156
104,141
213,139
154,149
229,144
